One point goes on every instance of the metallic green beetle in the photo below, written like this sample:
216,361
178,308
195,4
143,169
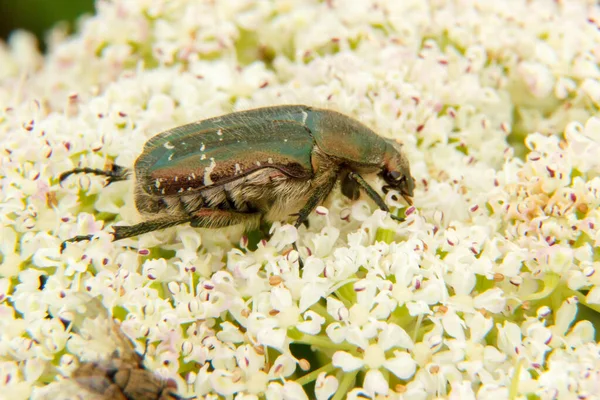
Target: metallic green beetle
267,163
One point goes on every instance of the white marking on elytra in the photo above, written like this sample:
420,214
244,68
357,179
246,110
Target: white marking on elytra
285,140
238,169
270,160
163,191
202,147
208,170
220,132
157,183
180,190
258,163
168,145
304,116
171,156
203,157
176,178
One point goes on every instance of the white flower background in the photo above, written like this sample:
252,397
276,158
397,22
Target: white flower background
488,290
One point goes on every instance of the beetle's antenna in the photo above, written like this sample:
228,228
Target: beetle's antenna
115,173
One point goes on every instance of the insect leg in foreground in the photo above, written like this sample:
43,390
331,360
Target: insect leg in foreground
122,232
203,218
320,194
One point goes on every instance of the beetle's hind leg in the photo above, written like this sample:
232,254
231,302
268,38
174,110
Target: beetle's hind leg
114,174
202,218
126,231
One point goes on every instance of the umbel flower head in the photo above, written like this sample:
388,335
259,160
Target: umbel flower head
487,290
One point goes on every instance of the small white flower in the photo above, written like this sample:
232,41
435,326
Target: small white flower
325,386
400,364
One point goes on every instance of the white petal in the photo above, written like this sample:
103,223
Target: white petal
416,308
394,336
565,316
274,338
284,365
493,355
293,391
593,296
375,383
402,365
281,298
312,324
282,236
223,383
479,326
454,325
346,361
336,332
356,337
492,300
325,386
461,390
336,309
311,293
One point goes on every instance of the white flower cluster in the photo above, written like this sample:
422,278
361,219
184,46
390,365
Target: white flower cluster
488,289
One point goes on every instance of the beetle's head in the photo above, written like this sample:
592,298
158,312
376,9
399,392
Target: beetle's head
396,172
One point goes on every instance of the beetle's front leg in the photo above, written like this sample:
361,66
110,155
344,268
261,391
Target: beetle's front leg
115,173
372,194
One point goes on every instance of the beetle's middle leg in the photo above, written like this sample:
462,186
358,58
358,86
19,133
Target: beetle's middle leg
317,196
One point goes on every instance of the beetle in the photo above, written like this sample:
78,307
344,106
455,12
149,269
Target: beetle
266,163
119,374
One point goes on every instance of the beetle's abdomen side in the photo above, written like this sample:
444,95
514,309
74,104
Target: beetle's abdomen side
267,191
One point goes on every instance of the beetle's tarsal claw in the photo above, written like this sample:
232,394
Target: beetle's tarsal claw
79,238
300,262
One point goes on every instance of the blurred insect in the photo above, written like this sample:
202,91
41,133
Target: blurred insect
120,376
264,164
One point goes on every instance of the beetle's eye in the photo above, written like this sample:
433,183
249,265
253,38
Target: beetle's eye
397,176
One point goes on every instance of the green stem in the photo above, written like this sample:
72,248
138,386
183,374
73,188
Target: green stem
345,384
581,299
313,375
324,342
514,385
551,280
